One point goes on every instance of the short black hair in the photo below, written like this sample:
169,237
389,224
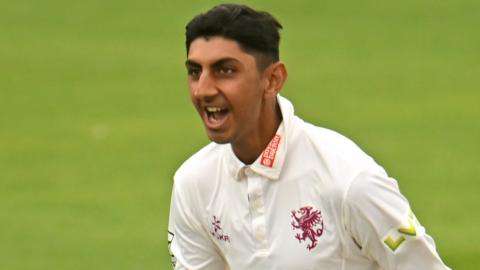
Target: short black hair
257,32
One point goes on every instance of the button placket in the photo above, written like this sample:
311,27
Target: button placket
257,209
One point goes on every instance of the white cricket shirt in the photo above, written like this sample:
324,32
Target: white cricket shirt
312,200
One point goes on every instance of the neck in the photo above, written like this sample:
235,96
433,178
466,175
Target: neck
251,147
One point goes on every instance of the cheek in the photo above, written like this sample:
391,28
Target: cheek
251,103
191,86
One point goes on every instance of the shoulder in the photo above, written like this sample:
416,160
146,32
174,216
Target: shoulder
192,181
337,151
199,164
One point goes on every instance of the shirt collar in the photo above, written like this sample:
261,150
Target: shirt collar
271,160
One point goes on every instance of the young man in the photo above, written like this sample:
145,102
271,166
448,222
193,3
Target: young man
272,191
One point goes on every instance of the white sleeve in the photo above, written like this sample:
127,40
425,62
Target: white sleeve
379,219
189,244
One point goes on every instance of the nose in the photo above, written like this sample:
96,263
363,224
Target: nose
205,86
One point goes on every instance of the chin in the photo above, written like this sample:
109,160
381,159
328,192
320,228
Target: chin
217,138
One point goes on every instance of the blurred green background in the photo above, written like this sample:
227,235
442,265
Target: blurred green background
95,117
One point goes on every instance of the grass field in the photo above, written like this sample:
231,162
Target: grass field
95,117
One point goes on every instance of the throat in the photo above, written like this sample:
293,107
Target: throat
249,151
251,145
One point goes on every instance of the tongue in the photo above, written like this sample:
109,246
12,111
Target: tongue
218,115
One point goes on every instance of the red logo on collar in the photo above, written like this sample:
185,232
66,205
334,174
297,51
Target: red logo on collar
268,156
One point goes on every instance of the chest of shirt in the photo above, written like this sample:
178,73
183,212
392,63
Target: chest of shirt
285,222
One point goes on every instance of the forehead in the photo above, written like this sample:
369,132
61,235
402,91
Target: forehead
209,50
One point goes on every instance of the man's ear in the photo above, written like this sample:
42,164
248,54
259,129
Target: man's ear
275,76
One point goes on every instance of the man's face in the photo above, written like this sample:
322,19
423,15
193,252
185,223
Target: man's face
226,88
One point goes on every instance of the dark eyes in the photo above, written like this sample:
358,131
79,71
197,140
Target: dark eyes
194,72
226,70
219,71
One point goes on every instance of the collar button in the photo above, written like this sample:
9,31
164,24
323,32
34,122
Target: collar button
248,171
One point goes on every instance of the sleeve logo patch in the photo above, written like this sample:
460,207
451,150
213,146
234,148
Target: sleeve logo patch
397,236
170,240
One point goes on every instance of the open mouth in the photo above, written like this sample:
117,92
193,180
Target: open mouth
216,113
215,116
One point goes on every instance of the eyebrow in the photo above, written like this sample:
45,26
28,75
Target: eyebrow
215,64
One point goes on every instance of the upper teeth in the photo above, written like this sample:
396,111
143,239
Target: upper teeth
213,109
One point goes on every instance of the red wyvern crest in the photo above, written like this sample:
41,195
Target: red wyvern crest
310,222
